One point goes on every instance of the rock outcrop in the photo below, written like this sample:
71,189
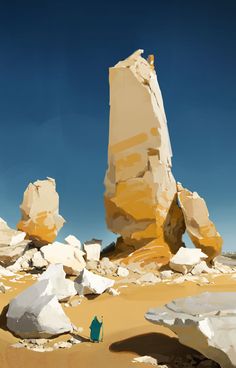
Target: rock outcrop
141,196
40,212
206,322
200,229
36,313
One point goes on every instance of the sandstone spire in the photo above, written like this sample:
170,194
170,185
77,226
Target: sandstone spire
141,198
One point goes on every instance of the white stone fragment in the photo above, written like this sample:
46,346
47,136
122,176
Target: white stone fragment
93,250
148,278
61,287
89,283
185,259
122,271
145,359
38,261
71,257
72,240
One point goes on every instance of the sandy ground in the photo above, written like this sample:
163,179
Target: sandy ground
126,333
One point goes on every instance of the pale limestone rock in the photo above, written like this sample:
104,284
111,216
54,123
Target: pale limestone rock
23,263
148,278
38,261
40,212
141,197
6,272
185,259
145,359
89,283
61,287
62,345
93,250
165,275
71,257
12,244
113,292
206,322
198,225
72,240
201,268
122,272
36,313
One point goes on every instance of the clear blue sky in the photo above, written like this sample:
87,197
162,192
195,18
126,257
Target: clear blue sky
54,59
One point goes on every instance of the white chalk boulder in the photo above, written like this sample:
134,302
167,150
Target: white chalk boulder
186,258
61,287
206,322
93,249
72,240
89,283
36,313
71,257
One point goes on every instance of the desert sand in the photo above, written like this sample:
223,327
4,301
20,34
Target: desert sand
126,333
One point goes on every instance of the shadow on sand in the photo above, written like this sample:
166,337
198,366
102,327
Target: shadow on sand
152,344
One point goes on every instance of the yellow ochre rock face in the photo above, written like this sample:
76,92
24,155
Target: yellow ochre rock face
141,198
200,229
40,217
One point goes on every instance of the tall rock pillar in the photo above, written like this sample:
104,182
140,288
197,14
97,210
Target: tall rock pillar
141,196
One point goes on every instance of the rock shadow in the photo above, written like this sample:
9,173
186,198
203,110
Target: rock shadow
152,344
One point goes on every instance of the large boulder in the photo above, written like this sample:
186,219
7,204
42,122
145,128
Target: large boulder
206,322
140,197
185,259
200,229
12,244
40,212
89,283
36,313
61,287
71,257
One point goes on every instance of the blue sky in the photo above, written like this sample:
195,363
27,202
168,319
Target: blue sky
54,112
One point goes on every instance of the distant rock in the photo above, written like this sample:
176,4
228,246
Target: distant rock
40,212
201,268
61,287
23,263
36,313
72,240
185,259
89,283
71,257
206,322
92,249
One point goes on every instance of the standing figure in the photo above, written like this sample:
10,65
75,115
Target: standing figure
95,329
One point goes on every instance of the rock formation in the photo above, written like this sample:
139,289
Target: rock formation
199,228
40,212
206,322
185,259
141,198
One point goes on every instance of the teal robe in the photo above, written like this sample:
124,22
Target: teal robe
95,329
